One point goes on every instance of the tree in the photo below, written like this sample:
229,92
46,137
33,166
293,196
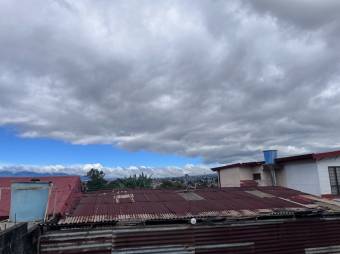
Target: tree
132,182
97,180
140,182
168,184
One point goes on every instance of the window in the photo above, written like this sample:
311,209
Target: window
257,176
334,179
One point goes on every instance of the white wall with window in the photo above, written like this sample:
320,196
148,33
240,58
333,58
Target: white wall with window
329,175
300,175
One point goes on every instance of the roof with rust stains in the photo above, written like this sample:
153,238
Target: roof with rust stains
66,190
238,202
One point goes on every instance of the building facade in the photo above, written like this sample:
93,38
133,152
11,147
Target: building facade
316,173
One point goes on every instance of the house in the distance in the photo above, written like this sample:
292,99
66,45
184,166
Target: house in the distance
314,173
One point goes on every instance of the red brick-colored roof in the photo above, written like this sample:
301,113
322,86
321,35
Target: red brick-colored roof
66,190
240,165
320,156
145,205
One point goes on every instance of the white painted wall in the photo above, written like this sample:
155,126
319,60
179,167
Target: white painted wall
322,166
302,176
230,177
246,173
265,176
306,176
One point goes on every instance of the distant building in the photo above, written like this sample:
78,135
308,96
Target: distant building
314,173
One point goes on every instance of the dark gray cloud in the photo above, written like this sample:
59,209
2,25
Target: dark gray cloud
216,79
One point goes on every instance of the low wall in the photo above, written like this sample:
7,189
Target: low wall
18,239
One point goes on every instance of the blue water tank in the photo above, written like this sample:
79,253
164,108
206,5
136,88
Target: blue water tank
270,156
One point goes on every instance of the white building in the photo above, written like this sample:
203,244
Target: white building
315,173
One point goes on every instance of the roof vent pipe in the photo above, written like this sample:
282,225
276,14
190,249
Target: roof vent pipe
270,156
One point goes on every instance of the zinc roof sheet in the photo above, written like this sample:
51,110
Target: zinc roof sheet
65,192
143,205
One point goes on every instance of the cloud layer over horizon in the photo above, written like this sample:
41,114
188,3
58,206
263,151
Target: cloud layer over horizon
219,80
110,172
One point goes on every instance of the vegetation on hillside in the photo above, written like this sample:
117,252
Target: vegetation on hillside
97,181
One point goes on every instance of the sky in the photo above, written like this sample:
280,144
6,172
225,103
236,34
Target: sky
166,86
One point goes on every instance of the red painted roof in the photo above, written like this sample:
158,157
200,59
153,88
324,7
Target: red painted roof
66,190
320,156
240,165
309,156
144,205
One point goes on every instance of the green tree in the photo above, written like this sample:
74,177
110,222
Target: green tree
132,182
97,180
168,184
141,181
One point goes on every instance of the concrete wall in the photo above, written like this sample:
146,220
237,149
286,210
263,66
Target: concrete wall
306,176
18,239
322,168
302,176
265,176
230,177
246,174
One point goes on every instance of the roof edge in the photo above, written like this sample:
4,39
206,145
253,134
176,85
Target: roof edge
239,165
309,156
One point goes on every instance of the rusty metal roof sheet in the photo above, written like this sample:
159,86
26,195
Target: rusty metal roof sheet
144,205
66,191
286,236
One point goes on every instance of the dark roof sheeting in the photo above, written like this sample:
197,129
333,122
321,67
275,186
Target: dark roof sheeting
147,205
65,192
240,165
279,236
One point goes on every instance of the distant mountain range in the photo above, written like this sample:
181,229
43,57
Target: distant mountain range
28,174
7,173
35,174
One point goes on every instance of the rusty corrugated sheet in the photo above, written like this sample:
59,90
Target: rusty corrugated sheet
286,236
65,194
144,205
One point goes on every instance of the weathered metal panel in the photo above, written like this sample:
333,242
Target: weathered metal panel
324,250
77,241
29,201
65,193
293,236
145,205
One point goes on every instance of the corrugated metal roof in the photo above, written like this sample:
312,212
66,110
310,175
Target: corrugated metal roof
285,236
144,205
65,193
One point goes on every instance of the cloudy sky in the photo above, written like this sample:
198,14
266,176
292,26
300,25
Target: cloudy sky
168,84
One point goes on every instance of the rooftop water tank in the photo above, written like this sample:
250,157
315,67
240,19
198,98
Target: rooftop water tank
270,156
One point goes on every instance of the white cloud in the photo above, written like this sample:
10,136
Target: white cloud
111,172
213,79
